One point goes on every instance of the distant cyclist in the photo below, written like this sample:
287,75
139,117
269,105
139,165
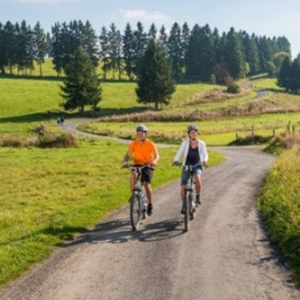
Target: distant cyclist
144,152
194,151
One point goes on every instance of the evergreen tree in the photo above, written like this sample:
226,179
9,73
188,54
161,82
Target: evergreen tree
175,50
193,64
206,58
139,45
152,32
104,50
9,46
251,53
114,49
2,60
128,51
89,41
163,37
284,75
57,51
185,37
82,86
155,80
41,46
234,55
295,75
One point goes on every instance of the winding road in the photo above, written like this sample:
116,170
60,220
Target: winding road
226,254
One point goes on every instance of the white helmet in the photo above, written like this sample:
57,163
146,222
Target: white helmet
192,127
141,127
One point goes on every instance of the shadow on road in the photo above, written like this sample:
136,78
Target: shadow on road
119,231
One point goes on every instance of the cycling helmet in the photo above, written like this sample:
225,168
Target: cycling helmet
192,127
141,127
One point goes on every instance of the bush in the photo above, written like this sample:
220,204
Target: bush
11,141
233,88
54,140
44,139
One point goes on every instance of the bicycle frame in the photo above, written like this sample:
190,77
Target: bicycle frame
189,195
138,200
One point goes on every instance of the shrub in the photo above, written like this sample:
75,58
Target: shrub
233,88
54,140
11,141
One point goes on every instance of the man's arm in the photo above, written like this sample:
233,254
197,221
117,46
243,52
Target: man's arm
155,157
126,158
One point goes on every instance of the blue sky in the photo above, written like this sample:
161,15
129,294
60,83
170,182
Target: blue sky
261,17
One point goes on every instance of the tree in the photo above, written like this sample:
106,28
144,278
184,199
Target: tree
104,50
155,83
175,50
284,75
114,49
128,51
82,86
41,46
234,55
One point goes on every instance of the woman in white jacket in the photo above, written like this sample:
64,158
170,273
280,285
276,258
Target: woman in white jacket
194,152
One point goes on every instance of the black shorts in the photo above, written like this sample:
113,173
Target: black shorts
147,174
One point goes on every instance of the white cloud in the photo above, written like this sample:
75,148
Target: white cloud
144,16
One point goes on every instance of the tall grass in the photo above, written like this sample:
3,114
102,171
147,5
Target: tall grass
279,203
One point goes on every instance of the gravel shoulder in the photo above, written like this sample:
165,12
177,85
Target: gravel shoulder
225,254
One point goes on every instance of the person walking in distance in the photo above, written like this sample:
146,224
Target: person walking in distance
144,152
194,152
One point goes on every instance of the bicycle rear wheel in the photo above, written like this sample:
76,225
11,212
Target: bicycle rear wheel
186,213
135,212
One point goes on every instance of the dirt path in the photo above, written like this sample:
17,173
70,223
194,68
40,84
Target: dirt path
225,255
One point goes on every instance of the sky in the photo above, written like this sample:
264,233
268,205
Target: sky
270,18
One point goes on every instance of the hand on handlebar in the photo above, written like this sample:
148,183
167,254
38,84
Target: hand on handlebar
125,165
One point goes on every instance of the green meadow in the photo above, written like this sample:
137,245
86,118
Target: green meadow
49,195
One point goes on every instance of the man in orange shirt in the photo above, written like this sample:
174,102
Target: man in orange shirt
144,152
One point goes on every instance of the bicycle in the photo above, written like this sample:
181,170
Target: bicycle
189,203
138,200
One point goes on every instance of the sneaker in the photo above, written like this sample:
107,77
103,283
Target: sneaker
182,211
149,210
198,199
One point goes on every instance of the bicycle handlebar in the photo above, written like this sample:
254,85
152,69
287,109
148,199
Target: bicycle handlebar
137,168
188,167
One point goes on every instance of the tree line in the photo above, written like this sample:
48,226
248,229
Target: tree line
289,75
198,53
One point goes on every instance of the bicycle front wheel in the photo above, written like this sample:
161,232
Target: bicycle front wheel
191,205
135,212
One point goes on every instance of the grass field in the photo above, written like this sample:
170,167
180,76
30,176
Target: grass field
48,195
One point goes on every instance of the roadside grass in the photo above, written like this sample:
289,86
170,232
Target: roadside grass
47,196
280,208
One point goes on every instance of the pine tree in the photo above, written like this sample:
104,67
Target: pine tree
41,46
82,86
175,50
155,83
128,51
